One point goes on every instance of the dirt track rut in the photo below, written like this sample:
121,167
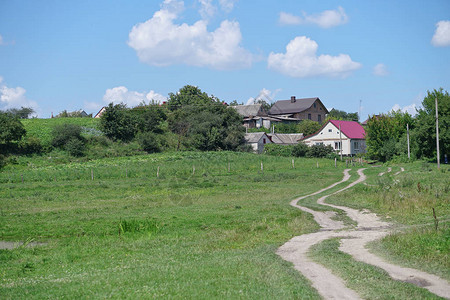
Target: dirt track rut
353,241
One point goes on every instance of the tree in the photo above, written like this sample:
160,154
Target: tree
117,123
11,129
336,114
384,132
203,122
149,117
425,131
308,127
22,113
187,96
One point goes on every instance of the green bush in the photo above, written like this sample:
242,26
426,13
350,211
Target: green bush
319,151
278,150
65,132
300,150
75,147
149,142
30,145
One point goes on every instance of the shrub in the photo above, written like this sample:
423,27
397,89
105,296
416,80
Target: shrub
300,150
319,151
149,142
75,147
30,145
65,132
278,150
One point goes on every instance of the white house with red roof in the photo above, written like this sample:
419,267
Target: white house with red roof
351,135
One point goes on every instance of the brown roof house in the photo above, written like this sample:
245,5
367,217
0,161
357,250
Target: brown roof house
295,110
254,115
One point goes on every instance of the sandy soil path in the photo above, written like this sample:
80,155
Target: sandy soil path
353,241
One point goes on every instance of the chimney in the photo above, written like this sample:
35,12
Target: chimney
292,99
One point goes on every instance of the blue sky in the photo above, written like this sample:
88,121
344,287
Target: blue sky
57,55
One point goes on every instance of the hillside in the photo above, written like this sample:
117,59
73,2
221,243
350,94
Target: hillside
42,128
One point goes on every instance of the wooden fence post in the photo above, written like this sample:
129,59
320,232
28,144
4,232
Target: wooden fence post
293,164
157,172
92,174
262,167
335,162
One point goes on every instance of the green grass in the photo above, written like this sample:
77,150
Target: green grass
406,200
42,128
129,234
368,281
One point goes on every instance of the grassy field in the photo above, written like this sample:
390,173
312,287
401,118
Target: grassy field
42,128
211,233
407,200
200,225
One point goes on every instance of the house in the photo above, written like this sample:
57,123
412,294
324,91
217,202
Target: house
295,110
254,116
257,140
285,138
100,112
350,133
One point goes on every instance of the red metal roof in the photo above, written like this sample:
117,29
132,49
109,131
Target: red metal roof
351,129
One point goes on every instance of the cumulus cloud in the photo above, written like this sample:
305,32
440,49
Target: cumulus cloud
11,97
207,9
161,42
411,109
131,98
301,60
227,5
325,19
380,70
265,95
441,37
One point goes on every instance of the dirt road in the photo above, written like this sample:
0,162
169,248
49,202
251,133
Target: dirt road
353,241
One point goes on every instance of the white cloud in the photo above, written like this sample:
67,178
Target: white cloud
161,42
441,37
289,19
131,98
265,95
380,70
207,9
227,5
411,109
325,19
301,60
14,97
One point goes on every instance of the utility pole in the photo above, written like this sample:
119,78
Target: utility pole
437,135
340,139
407,135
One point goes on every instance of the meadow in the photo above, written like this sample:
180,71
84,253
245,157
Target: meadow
127,232
192,224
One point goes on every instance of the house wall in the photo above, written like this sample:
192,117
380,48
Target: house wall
315,112
329,135
259,146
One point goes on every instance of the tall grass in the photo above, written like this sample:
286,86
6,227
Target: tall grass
129,233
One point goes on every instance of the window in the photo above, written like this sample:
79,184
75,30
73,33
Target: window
319,143
264,141
330,130
314,104
309,116
337,145
356,145
319,118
